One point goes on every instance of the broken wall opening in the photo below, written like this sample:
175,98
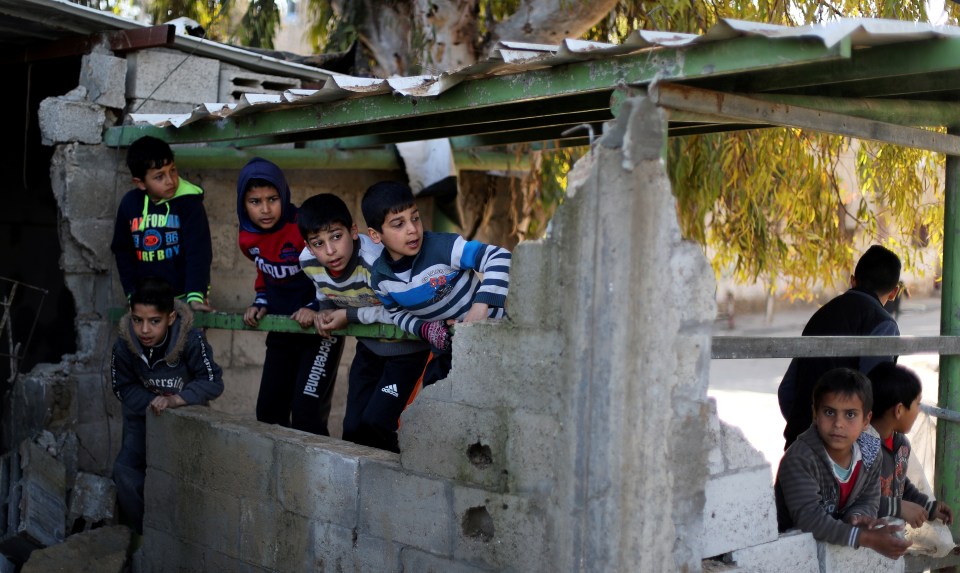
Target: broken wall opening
29,221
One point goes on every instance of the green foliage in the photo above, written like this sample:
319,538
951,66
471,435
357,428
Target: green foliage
332,29
211,14
259,24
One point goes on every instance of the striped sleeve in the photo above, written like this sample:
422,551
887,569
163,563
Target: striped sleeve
493,262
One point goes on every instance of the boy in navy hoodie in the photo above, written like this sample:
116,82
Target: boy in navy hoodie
299,370
161,228
159,361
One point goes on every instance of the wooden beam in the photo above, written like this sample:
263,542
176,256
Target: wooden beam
749,109
740,347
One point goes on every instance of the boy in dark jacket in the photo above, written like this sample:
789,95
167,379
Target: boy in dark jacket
299,369
159,361
829,485
161,228
857,312
896,392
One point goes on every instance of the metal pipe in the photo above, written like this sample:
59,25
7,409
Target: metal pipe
947,474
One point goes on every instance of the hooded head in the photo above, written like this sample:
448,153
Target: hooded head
264,171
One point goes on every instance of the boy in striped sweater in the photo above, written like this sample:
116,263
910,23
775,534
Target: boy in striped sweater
429,281
384,372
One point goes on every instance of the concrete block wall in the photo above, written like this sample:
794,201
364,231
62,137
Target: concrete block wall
236,81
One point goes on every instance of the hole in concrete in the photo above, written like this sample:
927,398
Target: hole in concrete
480,455
477,524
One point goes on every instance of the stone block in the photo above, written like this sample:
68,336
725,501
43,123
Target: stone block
533,452
272,537
318,481
738,452
88,181
503,532
455,441
236,81
404,508
248,348
339,549
739,511
86,245
99,443
101,550
839,559
172,76
222,343
223,242
196,514
497,364
64,120
530,303
173,442
422,562
164,552
241,386
104,77
91,500
793,552
232,291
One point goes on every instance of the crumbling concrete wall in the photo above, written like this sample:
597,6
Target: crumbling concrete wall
572,437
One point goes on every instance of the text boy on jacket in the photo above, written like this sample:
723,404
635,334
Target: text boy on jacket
161,228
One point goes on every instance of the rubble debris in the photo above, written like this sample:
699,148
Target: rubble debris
102,550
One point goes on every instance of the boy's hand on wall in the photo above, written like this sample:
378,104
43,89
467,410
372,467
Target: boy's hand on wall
478,311
161,403
335,320
253,315
196,305
884,541
304,317
943,511
913,514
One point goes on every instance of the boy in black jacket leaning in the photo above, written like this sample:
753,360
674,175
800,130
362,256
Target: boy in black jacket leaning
161,228
159,361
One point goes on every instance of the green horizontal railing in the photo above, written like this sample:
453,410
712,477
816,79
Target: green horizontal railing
280,323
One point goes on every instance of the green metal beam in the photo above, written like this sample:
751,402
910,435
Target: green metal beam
358,159
947,456
281,323
494,94
744,108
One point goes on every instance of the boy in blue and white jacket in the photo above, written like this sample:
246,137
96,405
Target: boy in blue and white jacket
429,281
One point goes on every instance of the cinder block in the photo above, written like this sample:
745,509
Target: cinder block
340,549
99,442
249,348
738,452
497,364
713,440
239,397
235,460
88,181
104,77
839,559
172,76
272,537
405,508
503,532
793,552
173,442
421,562
531,304
86,245
222,343
92,499
695,303
206,517
101,550
235,81
319,482
454,441
164,552
223,242
64,120
94,293
534,450
739,511
142,105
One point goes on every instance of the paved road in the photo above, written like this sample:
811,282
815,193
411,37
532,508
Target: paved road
746,390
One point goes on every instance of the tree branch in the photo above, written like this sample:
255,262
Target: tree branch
550,21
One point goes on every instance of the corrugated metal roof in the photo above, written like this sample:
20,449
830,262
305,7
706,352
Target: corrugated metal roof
26,22
513,58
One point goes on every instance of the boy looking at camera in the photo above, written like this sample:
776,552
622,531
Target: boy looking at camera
338,259
159,361
827,484
428,281
299,369
161,228
896,392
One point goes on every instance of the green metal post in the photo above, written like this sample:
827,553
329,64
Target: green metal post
947,477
